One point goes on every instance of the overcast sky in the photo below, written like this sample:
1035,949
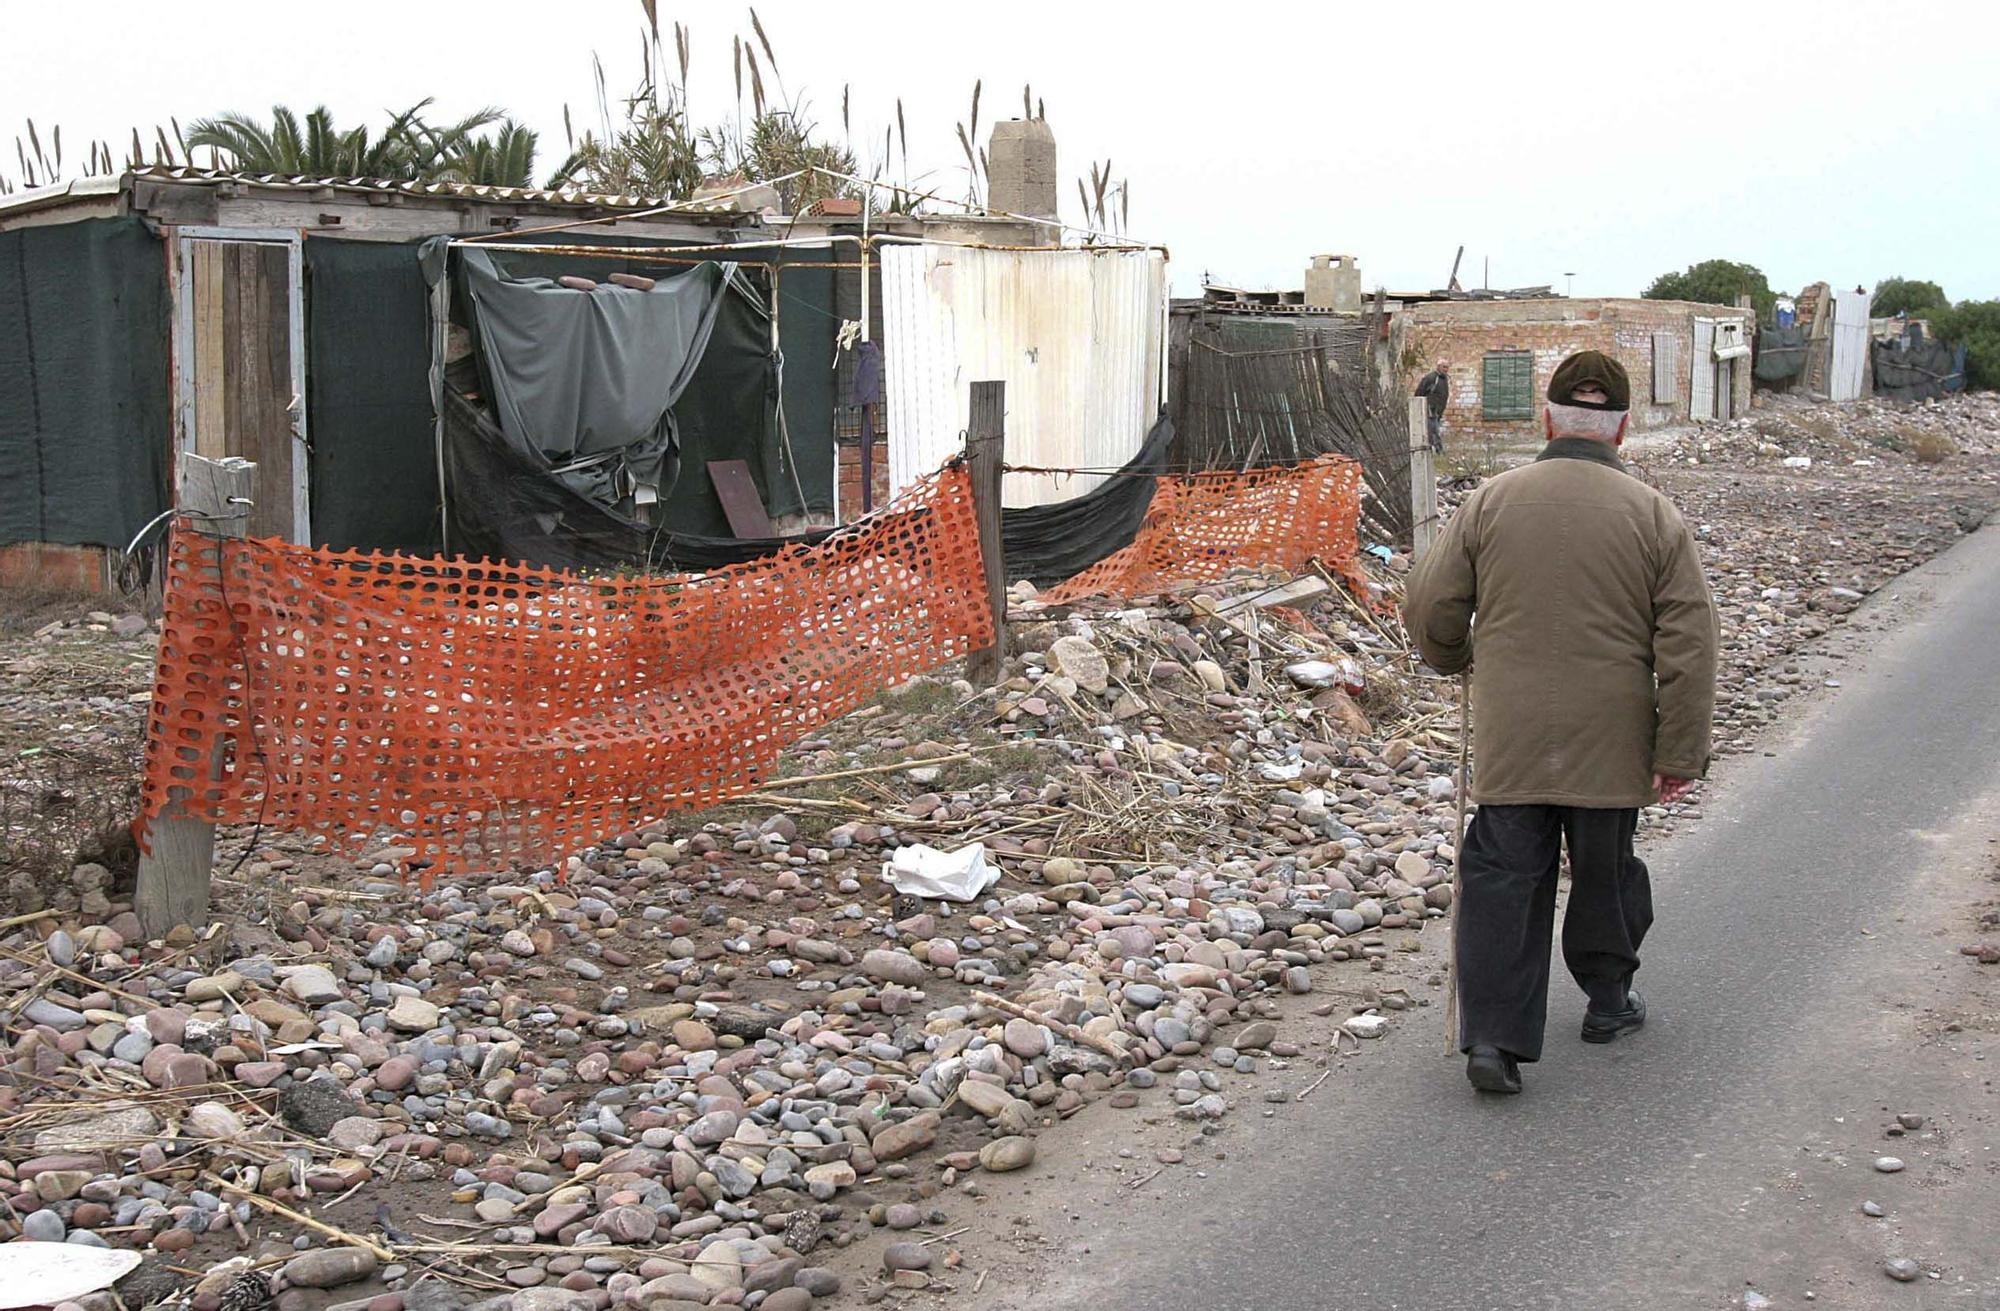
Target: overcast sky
1844,141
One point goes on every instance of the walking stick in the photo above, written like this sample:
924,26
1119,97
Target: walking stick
1457,865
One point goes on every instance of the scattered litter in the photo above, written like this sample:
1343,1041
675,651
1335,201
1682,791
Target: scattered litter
1370,1025
923,871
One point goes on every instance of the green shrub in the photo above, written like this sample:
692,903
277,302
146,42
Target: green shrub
1975,325
1910,296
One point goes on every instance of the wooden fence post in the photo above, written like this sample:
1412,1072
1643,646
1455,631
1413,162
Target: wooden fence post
985,450
1423,481
175,873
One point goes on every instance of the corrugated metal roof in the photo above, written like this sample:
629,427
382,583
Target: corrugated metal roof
568,198
74,189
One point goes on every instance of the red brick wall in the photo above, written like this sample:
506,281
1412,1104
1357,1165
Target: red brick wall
850,477
44,565
1464,331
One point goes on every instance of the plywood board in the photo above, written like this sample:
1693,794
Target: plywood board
740,501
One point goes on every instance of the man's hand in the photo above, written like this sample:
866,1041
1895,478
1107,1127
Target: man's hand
1671,789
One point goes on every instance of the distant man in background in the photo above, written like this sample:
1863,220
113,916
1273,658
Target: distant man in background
1592,695
1435,388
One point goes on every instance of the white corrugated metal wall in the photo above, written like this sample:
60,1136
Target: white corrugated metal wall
1078,336
1847,377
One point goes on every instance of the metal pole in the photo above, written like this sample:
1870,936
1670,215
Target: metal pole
867,335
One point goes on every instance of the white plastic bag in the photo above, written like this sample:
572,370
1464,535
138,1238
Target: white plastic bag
43,1274
925,871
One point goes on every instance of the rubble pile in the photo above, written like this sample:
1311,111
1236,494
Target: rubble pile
671,1067
1790,548
1794,433
682,1068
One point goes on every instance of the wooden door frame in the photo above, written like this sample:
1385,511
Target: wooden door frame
180,254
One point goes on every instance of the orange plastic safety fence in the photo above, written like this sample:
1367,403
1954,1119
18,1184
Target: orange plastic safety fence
479,712
1202,526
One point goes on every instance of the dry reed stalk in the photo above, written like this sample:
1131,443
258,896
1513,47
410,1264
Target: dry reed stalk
264,1203
1066,1029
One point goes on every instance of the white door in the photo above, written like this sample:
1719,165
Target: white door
1701,371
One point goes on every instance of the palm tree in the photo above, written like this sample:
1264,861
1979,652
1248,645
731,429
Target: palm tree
409,148
312,149
505,159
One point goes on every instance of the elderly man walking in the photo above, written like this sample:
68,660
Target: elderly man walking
1435,388
1592,695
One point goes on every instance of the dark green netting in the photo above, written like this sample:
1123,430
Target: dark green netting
84,412
807,328
374,447
1781,354
1917,369
729,412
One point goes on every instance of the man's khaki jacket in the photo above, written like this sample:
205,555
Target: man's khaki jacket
1596,636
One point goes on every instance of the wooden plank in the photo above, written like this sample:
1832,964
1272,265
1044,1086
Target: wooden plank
269,444
209,437
737,491
255,350
230,255
1300,591
178,865
985,448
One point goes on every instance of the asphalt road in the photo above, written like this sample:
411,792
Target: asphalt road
1802,978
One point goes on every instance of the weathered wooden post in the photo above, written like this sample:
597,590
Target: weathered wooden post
175,871
985,450
1423,481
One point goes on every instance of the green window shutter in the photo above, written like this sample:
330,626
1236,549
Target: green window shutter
1508,390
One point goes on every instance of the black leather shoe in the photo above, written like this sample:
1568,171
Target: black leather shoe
1491,1070
1603,1026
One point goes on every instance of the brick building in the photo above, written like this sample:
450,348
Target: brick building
1687,361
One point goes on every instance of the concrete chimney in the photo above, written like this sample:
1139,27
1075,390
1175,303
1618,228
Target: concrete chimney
1021,168
1333,282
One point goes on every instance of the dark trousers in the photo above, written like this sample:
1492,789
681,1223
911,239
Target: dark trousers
1506,915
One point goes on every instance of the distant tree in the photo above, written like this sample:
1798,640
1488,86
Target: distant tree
1895,296
1975,325
1716,282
